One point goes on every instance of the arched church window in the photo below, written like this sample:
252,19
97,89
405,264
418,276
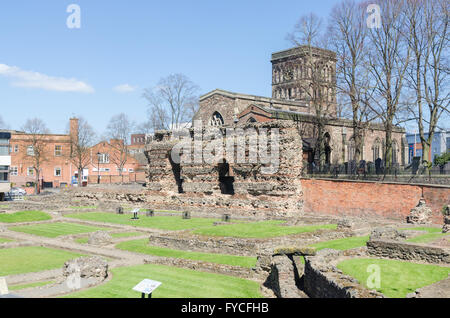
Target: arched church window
394,151
217,119
376,150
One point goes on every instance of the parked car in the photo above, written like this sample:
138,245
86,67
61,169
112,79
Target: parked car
17,191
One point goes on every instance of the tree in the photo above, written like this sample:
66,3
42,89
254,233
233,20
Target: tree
317,82
427,36
388,59
80,145
348,30
36,152
172,102
119,130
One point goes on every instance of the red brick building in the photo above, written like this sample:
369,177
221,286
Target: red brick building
56,169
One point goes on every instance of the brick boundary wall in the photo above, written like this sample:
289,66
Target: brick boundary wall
371,199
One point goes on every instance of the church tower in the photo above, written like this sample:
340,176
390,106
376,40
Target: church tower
297,70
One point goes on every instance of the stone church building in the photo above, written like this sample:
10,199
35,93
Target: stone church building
291,76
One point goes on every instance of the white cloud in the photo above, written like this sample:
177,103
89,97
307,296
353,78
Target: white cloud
37,80
125,88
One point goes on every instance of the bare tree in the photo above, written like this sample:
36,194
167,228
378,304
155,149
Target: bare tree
172,102
389,56
80,145
347,28
119,130
427,36
36,152
317,83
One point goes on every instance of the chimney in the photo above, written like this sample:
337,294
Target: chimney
74,129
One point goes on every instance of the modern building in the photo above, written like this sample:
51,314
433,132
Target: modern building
439,145
5,163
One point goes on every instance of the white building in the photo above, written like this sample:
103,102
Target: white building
5,163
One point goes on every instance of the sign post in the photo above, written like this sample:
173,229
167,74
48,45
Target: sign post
3,287
146,287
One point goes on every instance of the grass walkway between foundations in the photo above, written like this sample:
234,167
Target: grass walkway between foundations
53,230
4,240
24,216
264,229
397,278
176,283
171,223
141,246
84,240
31,285
31,259
432,235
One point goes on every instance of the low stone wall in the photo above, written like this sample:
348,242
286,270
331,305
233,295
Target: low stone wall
408,251
236,271
323,280
240,246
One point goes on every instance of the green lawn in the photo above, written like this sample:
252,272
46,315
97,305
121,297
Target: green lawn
176,283
126,234
156,222
432,235
398,278
141,246
29,259
31,285
24,216
343,244
264,229
4,240
53,230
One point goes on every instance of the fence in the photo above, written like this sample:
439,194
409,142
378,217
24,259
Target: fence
364,168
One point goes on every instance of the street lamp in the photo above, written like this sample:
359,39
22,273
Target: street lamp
98,167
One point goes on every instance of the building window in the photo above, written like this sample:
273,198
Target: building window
30,171
217,119
16,148
376,150
14,171
30,151
58,151
130,170
103,158
57,172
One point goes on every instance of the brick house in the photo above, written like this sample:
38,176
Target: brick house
56,171
104,162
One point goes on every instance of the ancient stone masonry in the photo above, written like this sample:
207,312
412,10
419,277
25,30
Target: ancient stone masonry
446,227
421,214
227,182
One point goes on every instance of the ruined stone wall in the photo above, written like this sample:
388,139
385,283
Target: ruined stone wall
408,251
372,199
248,185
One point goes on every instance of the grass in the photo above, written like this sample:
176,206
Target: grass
30,259
432,235
31,285
176,283
343,244
141,246
398,278
24,216
157,222
126,234
427,238
4,240
53,230
264,229
82,240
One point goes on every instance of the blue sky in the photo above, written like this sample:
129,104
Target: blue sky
217,44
